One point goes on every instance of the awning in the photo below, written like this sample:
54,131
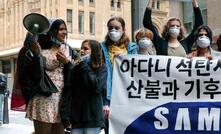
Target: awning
76,44
9,52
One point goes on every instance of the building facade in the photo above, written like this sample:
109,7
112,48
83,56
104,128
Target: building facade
160,13
86,19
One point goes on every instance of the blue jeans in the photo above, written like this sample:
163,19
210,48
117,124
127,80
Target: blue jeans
86,131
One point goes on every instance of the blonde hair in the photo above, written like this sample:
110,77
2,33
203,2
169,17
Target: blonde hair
165,33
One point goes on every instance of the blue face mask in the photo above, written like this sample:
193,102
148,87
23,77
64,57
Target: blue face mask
55,41
86,58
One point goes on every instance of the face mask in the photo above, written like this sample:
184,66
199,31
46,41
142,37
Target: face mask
55,41
203,42
115,35
86,58
174,31
145,43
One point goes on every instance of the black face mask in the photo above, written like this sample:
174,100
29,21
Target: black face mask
55,41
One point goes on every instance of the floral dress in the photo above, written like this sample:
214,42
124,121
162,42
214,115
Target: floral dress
46,109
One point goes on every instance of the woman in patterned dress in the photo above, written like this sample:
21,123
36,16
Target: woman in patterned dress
44,111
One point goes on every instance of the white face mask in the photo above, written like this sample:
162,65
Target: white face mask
145,43
203,41
115,35
174,31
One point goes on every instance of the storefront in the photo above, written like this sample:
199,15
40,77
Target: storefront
8,60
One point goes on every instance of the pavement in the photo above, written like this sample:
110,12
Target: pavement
18,124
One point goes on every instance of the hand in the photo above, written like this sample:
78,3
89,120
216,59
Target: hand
76,62
61,57
195,3
191,55
68,127
35,48
208,56
106,110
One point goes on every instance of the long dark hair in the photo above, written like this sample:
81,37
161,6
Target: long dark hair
124,38
55,27
45,39
96,53
207,29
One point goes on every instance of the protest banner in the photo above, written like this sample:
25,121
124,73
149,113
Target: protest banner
165,95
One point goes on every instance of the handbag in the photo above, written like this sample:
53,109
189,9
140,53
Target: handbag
45,86
17,99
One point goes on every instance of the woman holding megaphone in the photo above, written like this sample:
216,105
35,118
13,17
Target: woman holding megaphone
41,107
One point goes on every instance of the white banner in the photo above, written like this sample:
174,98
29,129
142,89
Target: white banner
162,94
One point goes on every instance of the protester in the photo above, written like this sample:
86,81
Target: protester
52,49
203,41
172,42
82,97
143,39
116,43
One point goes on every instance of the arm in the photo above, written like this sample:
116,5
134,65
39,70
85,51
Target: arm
198,22
65,107
95,79
25,75
147,23
197,15
195,3
147,20
67,69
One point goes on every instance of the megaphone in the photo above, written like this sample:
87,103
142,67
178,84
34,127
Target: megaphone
36,23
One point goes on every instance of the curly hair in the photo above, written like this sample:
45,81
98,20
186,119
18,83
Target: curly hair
124,39
165,33
143,32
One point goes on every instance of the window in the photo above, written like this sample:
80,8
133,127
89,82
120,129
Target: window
188,17
204,15
91,1
81,22
118,4
92,23
80,1
156,4
69,20
153,4
112,3
188,26
6,66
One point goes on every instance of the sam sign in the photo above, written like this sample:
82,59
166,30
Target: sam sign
165,95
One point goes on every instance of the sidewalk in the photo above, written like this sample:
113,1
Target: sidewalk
17,123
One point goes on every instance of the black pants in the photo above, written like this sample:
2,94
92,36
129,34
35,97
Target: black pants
106,129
